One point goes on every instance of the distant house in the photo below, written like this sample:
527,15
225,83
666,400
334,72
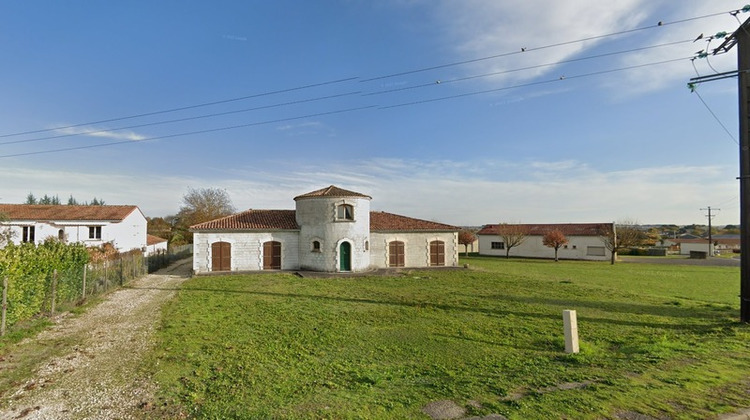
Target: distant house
721,243
330,230
727,243
584,241
688,245
156,245
123,226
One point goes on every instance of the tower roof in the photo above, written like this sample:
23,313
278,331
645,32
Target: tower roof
331,191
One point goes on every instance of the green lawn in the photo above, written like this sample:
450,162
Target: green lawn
659,340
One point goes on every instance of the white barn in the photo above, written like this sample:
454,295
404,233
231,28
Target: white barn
123,226
584,241
330,230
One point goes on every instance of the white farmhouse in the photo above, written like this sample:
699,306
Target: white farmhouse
584,241
331,230
123,226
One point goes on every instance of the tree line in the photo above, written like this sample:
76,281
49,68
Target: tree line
54,200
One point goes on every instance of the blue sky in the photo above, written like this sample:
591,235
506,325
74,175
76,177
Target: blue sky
370,96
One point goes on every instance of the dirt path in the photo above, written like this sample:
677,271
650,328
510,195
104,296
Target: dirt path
95,375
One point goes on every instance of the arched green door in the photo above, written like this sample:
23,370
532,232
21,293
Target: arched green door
345,254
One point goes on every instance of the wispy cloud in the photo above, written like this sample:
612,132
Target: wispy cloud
481,28
457,192
91,131
484,28
306,128
234,37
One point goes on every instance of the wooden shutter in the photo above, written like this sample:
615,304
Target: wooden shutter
272,255
396,254
221,256
437,253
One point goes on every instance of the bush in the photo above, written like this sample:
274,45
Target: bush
30,270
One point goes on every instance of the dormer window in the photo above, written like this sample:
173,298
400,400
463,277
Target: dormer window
345,212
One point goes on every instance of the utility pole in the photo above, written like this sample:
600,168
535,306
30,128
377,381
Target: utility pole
710,239
741,38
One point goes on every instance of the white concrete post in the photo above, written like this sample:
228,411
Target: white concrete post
570,325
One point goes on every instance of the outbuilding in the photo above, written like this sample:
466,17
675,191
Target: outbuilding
585,241
330,230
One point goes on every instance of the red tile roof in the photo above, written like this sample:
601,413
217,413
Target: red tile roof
38,212
285,220
153,240
331,191
252,220
382,221
568,229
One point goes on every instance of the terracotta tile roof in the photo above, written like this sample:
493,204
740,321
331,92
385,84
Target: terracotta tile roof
568,229
285,220
38,212
382,221
331,191
252,220
153,240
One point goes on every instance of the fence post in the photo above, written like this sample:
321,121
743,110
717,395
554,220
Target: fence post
54,292
5,305
83,295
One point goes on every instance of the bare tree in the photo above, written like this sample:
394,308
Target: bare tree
466,237
554,239
513,235
202,205
621,235
608,235
629,234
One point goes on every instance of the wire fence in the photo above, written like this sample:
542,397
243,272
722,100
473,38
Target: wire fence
29,295
163,259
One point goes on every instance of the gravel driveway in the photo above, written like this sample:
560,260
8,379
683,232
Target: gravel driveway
94,374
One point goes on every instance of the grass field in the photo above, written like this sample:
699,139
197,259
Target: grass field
659,340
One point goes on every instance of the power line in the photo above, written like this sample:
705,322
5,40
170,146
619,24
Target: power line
559,44
340,81
561,78
336,96
726,130
345,110
572,60
660,24
181,119
146,114
212,130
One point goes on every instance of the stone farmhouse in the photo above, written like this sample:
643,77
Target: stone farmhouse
330,230
123,226
584,241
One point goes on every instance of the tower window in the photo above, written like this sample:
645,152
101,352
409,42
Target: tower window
316,246
345,212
